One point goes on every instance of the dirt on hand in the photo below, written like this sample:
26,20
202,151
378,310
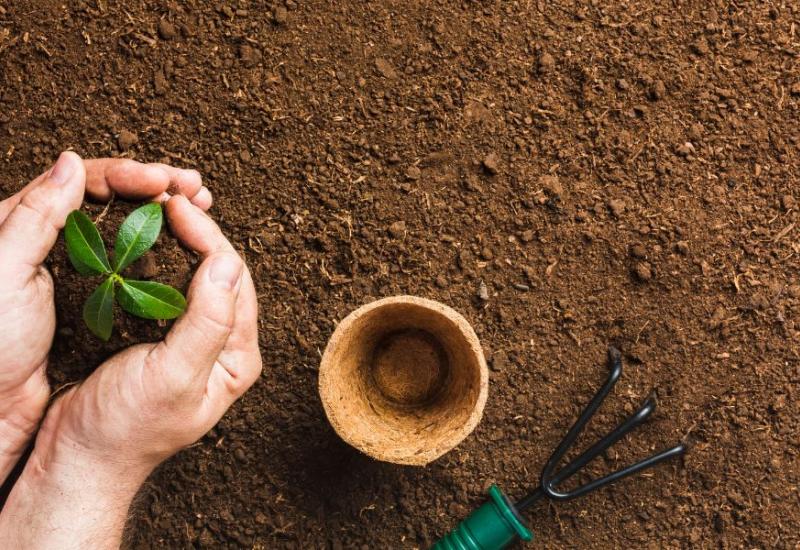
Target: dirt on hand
566,175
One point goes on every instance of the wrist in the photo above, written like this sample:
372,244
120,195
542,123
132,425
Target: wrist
66,499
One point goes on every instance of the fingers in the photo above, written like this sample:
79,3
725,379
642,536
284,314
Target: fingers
203,199
134,180
240,362
199,232
194,228
244,337
196,340
31,227
240,359
131,180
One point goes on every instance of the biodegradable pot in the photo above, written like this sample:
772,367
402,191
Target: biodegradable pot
403,379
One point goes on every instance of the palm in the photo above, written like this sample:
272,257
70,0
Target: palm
122,407
127,404
102,438
27,323
151,400
29,225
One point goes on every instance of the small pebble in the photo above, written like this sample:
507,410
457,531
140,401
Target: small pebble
145,267
127,139
463,259
552,185
499,361
483,292
413,173
643,271
546,63
385,68
160,82
701,47
685,149
617,207
530,273
166,30
471,183
696,131
638,251
397,229
658,91
249,55
281,15
490,163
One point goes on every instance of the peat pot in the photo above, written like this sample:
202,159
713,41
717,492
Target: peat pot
403,379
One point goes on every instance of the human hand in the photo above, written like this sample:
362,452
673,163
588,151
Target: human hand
29,225
101,440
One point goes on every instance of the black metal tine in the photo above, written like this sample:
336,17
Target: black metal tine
615,360
615,476
549,481
631,423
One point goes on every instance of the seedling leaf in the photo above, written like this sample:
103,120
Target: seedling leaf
98,311
137,234
150,300
85,246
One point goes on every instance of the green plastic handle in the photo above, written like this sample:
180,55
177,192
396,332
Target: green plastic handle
493,526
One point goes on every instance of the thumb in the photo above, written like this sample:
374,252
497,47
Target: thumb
193,345
31,228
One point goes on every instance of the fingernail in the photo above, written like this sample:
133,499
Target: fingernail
225,271
63,169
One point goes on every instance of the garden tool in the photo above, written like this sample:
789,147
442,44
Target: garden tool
499,522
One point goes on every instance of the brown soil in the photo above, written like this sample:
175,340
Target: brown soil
565,175
410,368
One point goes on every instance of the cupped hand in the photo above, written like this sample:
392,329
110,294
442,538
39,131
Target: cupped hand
101,439
29,226
151,400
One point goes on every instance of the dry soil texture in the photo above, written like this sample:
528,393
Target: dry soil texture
565,174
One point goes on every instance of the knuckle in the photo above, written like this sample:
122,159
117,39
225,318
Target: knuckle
235,386
239,383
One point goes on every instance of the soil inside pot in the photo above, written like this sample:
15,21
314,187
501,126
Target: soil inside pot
410,368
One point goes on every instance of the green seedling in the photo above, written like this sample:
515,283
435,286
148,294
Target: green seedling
136,235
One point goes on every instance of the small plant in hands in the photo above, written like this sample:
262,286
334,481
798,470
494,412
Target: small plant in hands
87,253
